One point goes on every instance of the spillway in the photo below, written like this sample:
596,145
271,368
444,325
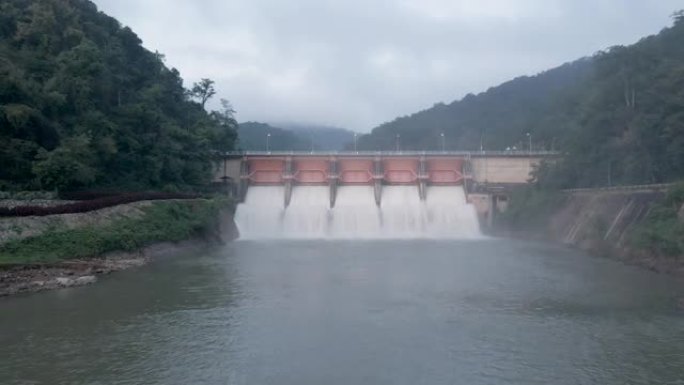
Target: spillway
444,213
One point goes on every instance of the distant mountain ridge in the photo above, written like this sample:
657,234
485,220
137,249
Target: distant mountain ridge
292,137
618,116
497,118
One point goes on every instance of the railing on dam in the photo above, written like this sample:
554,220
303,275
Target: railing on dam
396,153
638,187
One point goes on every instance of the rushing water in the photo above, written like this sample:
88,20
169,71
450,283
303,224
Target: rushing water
443,214
354,312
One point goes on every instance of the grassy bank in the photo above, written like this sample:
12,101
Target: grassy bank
662,231
163,221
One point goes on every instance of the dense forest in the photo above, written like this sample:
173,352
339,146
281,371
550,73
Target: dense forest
253,137
84,105
291,137
618,116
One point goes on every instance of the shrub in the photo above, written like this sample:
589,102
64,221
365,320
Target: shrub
161,222
529,207
662,231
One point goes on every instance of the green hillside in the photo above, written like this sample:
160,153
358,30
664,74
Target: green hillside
290,137
618,116
83,104
324,138
253,138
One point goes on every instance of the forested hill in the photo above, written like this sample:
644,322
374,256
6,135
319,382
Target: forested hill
291,137
497,118
83,104
618,116
325,138
252,137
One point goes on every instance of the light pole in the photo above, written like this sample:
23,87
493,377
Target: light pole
355,137
482,141
443,143
268,142
529,138
397,143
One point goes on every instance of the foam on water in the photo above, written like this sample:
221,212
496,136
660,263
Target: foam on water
444,214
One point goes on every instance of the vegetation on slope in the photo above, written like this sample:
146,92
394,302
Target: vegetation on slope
495,119
83,104
293,137
529,209
662,232
618,116
324,138
253,138
163,221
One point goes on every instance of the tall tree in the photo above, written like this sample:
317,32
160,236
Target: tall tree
203,90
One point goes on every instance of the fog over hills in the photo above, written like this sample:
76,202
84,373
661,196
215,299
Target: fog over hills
292,137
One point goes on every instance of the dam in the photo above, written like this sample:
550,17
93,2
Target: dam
369,195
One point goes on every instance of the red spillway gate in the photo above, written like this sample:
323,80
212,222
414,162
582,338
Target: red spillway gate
400,170
355,170
311,170
264,171
318,170
445,170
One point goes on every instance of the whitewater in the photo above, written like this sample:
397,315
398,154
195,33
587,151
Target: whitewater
444,214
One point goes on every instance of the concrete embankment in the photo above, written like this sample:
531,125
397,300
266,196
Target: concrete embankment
600,222
55,251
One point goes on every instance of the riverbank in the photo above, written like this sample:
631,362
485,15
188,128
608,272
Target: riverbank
31,278
56,251
636,227
642,258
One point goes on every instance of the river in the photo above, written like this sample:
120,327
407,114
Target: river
354,312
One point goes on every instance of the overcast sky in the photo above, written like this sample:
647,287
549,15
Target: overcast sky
358,63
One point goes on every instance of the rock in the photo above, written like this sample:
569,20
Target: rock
64,282
85,280
78,281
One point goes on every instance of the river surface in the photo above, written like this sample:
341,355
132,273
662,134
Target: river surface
371,312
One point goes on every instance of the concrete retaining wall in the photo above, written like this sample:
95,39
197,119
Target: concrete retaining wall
589,219
602,223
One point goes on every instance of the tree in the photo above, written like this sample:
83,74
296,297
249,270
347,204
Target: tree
68,166
203,90
226,133
84,105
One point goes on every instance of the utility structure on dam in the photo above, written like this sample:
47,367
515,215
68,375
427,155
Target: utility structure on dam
487,176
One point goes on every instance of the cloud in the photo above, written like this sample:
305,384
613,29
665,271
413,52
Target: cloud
358,63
